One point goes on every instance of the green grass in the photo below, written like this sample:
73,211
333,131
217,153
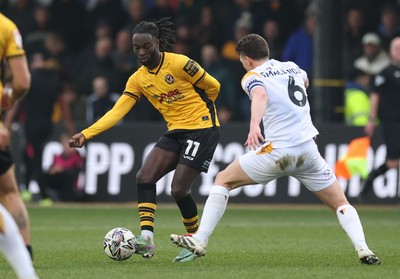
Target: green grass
249,242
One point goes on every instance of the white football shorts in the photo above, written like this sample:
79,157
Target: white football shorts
304,162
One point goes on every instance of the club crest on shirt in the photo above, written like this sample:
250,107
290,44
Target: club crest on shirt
169,79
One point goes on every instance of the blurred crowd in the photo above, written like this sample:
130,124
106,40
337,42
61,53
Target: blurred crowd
80,51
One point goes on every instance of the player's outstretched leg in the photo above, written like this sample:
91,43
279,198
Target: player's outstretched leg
144,247
189,242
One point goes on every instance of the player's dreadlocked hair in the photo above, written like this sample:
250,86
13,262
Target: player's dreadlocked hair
253,46
162,30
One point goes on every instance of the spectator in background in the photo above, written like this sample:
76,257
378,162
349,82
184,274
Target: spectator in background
136,14
287,13
299,46
109,11
34,40
99,63
160,9
56,51
64,171
228,95
185,42
36,114
389,26
102,29
208,28
243,27
272,34
124,60
100,101
69,18
354,29
374,58
356,98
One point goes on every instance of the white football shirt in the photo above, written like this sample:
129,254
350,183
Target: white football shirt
287,120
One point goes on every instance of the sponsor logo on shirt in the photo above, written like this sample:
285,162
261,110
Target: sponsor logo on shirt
191,68
170,97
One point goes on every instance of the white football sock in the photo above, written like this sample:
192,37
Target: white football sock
351,224
213,211
148,234
13,247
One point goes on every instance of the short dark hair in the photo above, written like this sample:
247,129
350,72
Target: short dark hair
162,30
253,46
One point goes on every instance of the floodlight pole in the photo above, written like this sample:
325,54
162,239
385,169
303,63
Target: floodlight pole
327,84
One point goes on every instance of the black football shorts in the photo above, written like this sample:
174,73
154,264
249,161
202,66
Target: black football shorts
196,147
5,161
391,137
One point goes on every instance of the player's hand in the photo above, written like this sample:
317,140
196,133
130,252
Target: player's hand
77,140
254,138
4,138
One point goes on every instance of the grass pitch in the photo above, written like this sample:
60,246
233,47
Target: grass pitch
249,242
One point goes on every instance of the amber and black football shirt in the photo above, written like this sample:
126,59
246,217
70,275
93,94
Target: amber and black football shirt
10,42
179,88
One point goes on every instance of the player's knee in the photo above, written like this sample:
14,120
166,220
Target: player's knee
179,194
143,177
221,179
8,184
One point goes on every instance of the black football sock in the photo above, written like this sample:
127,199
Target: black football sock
147,205
190,217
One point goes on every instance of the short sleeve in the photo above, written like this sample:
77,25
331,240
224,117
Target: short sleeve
250,81
378,82
14,45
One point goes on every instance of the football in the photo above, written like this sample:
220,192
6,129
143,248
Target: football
119,244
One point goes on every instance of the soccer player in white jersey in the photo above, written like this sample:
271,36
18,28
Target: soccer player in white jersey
13,247
286,147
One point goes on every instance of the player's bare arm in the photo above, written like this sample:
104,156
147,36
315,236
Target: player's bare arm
258,105
21,81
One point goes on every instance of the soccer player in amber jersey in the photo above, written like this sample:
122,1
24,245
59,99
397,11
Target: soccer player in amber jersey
184,93
12,52
285,147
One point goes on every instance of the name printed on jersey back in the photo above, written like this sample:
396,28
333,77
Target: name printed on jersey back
270,72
